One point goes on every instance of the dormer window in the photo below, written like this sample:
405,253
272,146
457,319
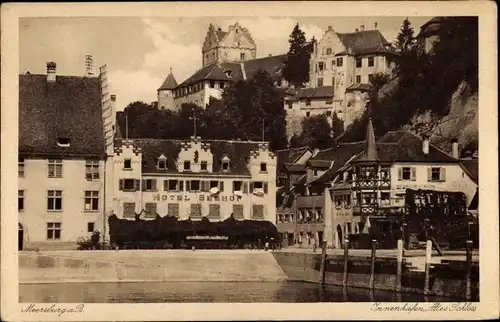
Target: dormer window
187,166
64,142
226,164
228,73
162,163
203,165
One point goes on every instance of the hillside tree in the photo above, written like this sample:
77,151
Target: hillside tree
296,69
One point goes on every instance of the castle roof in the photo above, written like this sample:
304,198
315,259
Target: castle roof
169,83
152,149
316,92
238,71
68,108
364,42
359,87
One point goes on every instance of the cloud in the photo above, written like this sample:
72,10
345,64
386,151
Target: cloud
131,86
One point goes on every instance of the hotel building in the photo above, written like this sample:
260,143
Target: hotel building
194,179
66,124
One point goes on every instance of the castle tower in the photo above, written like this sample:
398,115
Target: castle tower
165,92
234,45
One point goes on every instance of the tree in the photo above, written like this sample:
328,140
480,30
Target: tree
316,132
337,126
405,40
296,69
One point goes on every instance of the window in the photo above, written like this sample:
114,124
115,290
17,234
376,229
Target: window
263,167
371,61
436,174
237,186
91,170
55,168
308,102
358,79
54,200
333,62
407,173
328,113
64,142
340,62
195,210
128,209
54,230
308,114
242,56
368,198
225,165
333,81
328,51
359,62
91,201
290,106
321,66
173,209
127,164
20,170
20,200
370,78
320,82
162,164
90,227
347,201
129,185
258,211
258,185
238,211
187,165
338,201
384,173
149,185
150,209
228,74
385,199
195,185
214,211
171,185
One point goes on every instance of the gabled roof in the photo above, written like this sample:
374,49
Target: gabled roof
236,151
369,153
321,164
471,167
340,155
271,64
169,83
316,92
365,42
215,71
403,146
359,87
68,108
221,34
291,155
294,167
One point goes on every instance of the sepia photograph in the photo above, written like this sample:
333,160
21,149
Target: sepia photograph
242,159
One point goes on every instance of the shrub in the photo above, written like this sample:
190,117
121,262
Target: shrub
89,243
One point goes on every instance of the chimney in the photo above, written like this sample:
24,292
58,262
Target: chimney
454,148
51,72
425,145
362,28
375,25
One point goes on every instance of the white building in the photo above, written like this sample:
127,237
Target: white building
66,124
194,178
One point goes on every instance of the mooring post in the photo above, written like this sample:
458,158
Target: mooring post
322,269
399,273
468,259
428,253
372,265
346,259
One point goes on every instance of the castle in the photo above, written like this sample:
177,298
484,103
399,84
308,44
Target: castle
227,56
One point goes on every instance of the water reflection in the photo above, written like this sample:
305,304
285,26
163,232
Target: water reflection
243,292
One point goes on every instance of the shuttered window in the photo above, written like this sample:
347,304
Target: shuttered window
173,209
407,173
196,210
238,212
149,185
130,185
128,209
258,212
214,211
436,174
150,209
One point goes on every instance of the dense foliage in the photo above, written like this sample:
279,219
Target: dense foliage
89,243
296,70
317,132
170,232
424,82
248,110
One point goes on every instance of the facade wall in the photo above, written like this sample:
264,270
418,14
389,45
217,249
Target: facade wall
355,106
73,217
199,94
166,100
183,198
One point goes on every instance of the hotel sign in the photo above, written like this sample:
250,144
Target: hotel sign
198,197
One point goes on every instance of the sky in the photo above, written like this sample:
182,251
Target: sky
139,52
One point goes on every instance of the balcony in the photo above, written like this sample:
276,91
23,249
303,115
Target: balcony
372,184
